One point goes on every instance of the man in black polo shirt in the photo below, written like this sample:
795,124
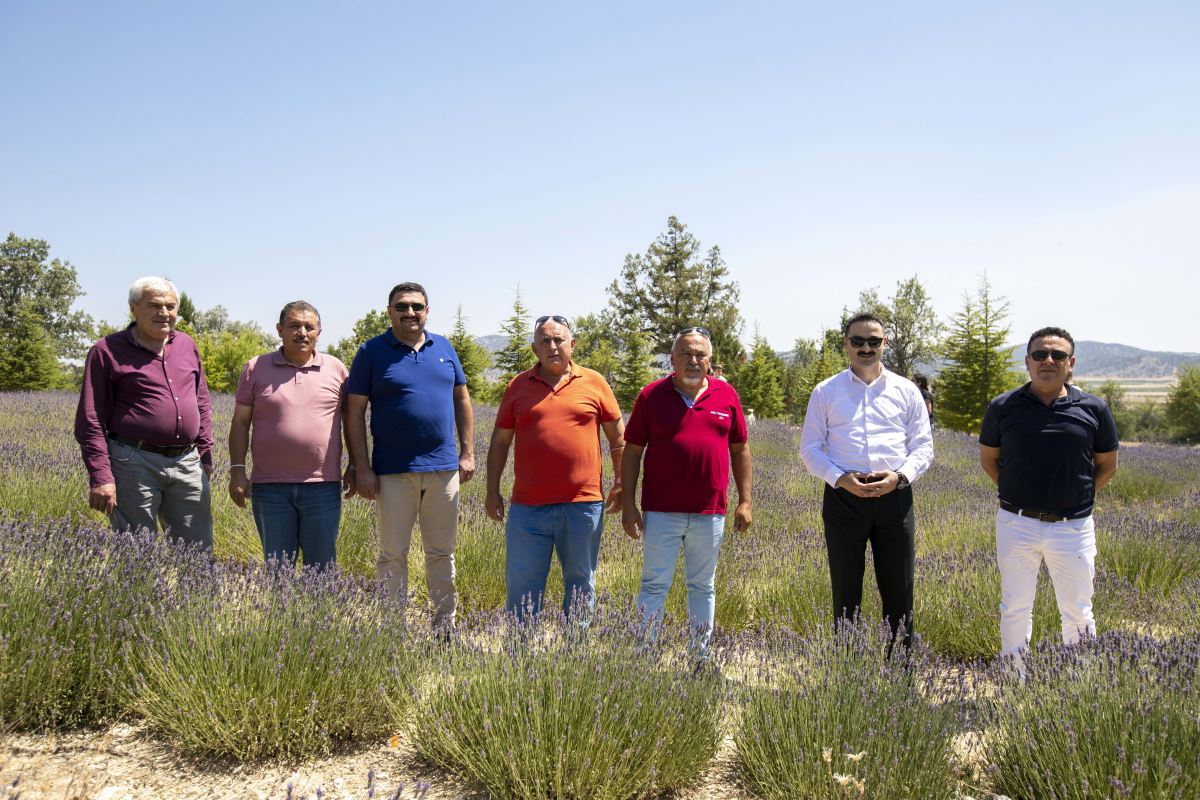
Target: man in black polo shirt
1048,446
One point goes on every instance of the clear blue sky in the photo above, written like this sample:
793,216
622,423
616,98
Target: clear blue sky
262,152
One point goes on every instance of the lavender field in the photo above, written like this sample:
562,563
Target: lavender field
232,660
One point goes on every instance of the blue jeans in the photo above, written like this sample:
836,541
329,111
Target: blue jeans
700,536
298,516
531,533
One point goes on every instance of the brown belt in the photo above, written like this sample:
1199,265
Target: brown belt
1033,513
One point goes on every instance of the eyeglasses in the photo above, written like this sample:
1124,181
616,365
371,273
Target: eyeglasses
1042,355
552,317
859,341
402,307
694,329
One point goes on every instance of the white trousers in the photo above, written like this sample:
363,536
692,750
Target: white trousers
1069,549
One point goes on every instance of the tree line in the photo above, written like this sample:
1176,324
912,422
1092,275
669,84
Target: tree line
674,284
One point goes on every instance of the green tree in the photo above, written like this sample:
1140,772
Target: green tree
830,360
36,291
671,287
912,325
28,359
598,345
516,356
475,358
795,400
374,323
979,362
1183,405
226,352
760,380
634,372
187,310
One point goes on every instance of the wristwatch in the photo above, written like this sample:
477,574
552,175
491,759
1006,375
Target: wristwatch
901,480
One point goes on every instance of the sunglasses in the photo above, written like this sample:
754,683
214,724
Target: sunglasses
695,329
1042,355
870,341
416,307
552,318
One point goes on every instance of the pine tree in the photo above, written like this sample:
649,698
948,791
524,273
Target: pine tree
473,356
1183,405
795,400
598,345
517,355
672,287
760,380
27,354
830,360
634,372
979,362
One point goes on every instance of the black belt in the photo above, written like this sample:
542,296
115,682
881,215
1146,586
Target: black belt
1034,513
174,451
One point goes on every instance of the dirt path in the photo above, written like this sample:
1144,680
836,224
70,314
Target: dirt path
127,761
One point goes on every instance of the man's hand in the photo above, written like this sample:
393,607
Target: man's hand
466,467
742,516
869,484
493,506
349,481
367,483
239,486
615,495
103,497
207,470
631,521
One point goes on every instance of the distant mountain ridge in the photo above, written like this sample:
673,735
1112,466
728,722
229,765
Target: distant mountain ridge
1092,359
1108,360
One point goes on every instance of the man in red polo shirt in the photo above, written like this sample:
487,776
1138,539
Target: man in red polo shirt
555,412
691,429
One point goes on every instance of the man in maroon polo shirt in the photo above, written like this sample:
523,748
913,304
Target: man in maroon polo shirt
692,431
144,421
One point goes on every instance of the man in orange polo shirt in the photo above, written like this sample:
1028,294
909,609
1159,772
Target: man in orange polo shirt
555,411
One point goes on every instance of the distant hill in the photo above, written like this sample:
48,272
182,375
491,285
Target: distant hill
1104,360
1100,360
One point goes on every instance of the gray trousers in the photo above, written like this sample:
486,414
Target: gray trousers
153,488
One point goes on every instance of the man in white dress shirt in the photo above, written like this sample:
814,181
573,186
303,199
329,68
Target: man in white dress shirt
866,434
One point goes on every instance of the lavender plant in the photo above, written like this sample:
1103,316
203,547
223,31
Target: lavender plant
1116,716
833,716
258,660
70,596
559,711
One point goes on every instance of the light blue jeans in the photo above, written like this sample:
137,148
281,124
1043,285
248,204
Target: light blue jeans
531,534
303,517
700,537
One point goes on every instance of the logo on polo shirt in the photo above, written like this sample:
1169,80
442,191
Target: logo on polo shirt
720,414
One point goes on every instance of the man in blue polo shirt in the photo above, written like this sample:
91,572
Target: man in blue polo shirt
418,396
1048,446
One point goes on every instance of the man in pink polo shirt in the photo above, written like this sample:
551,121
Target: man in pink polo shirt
692,430
289,414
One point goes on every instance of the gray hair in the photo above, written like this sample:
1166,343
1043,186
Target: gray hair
150,283
302,307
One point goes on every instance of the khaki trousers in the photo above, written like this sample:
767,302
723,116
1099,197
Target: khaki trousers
431,498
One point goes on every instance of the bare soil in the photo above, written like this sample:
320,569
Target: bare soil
128,761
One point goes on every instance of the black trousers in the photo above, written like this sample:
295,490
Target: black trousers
887,523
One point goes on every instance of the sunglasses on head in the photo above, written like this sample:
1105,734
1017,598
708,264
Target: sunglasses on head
402,307
859,341
1042,355
694,329
552,317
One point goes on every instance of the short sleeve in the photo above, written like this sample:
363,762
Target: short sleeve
738,432
359,381
637,430
460,375
989,431
610,411
244,396
1106,432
